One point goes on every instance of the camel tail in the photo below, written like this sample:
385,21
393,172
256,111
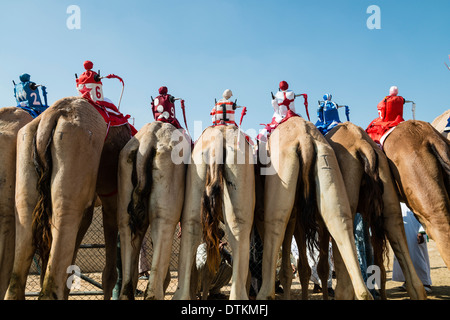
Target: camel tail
306,199
441,149
141,178
211,213
371,207
42,213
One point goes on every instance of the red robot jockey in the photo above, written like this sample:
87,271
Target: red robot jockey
390,111
90,86
284,108
163,108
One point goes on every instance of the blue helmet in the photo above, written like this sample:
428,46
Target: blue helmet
25,77
327,97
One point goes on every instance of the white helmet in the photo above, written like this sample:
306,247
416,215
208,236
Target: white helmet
227,94
393,91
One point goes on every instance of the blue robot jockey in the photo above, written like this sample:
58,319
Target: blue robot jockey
328,114
27,96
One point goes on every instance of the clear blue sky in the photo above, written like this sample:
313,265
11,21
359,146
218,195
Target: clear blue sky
199,48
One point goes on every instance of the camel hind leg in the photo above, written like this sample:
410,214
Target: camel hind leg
280,191
304,270
72,193
286,272
191,229
238,224
335,211
7,213
26,199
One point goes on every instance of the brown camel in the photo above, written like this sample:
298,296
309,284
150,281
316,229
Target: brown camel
220,187
151,192
419,157
64,157
371,191
307,177
11,120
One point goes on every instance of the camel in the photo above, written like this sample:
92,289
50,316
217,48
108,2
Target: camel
308,179
151,191
372,192
220,187
11,120
65,158
440,123
419,158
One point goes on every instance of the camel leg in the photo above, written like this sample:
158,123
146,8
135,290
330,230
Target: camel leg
191,229
84,226
164,217
7,213
393,224
129,244
323,266
65,225
162,229
280,190
335,211
286,273
129,251
190,239
238,216
110,229
26,199
7,230
344,288
69,202
304,270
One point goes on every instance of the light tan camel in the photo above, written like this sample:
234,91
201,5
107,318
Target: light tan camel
63,160
11,120
220,186
419,157
151,191
307,177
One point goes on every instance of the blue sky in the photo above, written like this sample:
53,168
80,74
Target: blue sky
199,48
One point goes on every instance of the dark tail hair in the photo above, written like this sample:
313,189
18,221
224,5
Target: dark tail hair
212,213
142,185
371,207
306,198
42,213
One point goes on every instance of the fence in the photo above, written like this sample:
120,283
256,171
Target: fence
91,261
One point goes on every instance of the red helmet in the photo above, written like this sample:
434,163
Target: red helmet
162,90
88,76
284,85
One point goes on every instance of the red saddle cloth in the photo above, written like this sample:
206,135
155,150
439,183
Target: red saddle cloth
273,125
112,116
